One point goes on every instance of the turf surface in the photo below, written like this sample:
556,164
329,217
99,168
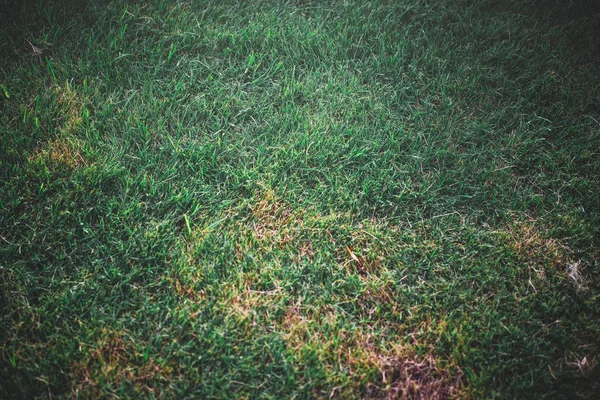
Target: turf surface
308,199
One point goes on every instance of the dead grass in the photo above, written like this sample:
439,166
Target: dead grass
69,104
185,290
411,378
533,244
274,225
244,303
61,152
582,363
534,247
576,276
378,292
351,352
359,356
113,361
270,228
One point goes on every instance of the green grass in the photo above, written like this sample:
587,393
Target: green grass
308,199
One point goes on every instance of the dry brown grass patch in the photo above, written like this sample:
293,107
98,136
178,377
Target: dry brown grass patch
273,229
61,152
367,247
247,304
272,232
574,272
275,222
351,353
413,378
185,290
69,104
534,247
114,361
378,294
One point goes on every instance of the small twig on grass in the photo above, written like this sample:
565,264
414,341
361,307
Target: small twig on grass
35,51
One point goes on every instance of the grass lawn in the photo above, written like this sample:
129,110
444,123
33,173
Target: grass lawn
300,199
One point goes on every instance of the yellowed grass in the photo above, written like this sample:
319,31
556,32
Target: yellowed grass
60,152
63,150
543,254
272,227
534,246
275,225
185,290
114,361
352,352
246,304
70,104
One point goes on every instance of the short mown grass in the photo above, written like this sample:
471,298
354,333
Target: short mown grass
300,199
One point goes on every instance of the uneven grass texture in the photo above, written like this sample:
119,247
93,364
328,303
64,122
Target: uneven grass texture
300,199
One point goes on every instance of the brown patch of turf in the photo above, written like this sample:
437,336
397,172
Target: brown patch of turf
359,358
117,360
69,105
62,152
534,246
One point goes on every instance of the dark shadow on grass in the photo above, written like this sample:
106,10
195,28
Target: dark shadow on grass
577,21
